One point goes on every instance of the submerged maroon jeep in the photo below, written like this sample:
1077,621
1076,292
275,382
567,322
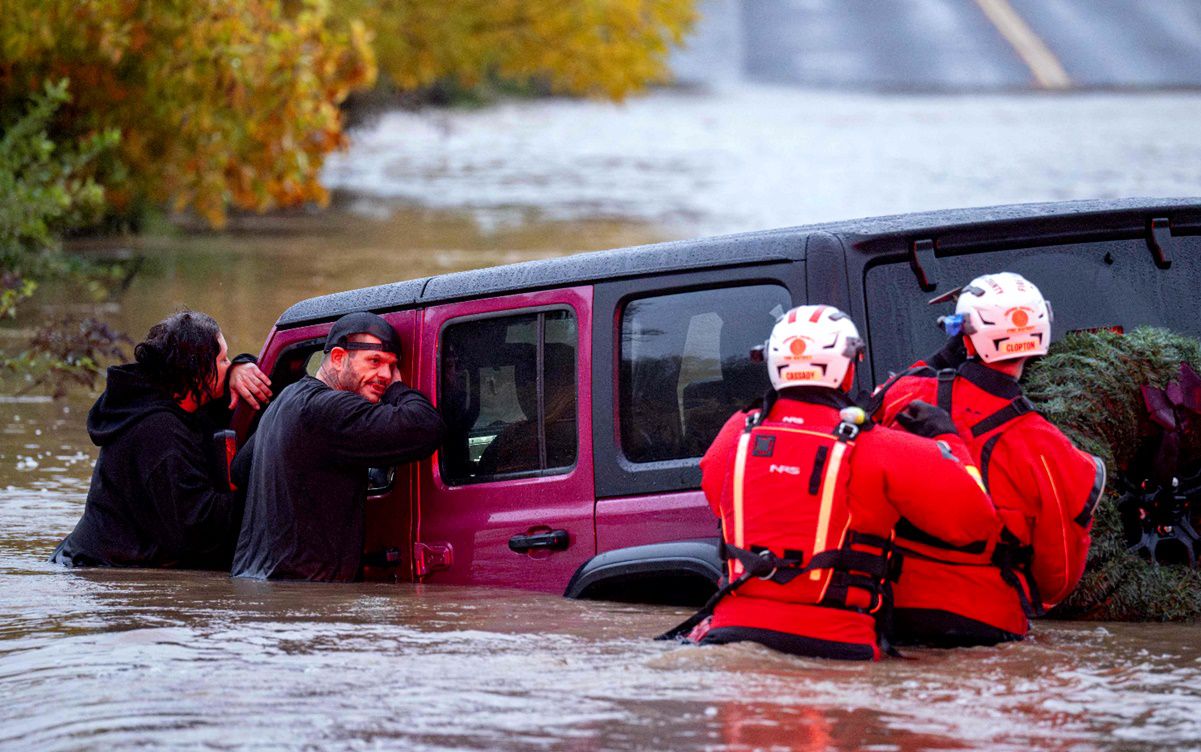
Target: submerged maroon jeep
580,392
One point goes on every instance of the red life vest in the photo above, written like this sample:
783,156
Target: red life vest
808,504
1044,490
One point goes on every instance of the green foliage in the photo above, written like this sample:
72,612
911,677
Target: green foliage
48,188
1089,386
45,189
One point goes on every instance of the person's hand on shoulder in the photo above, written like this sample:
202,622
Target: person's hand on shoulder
923,419
248,384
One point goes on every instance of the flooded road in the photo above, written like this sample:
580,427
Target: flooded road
186,660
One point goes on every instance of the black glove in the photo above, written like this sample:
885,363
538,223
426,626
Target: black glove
923,419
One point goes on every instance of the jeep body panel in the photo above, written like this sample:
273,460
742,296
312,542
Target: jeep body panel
628,520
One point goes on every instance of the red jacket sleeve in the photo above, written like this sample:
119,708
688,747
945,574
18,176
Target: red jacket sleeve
718,460
901,393
1060,486
928,482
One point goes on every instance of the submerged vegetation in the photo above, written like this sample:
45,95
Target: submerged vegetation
114,110
1127,399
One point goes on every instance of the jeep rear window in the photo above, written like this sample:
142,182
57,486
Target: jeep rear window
685,366
508,395
1100,285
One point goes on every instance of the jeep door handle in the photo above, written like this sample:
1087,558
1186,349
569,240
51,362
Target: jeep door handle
554,540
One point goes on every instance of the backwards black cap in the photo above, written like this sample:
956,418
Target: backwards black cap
362,323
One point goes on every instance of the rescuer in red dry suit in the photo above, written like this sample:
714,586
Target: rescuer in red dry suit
1044,488
808,493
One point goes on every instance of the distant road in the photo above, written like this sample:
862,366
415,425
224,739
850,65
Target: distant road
948,45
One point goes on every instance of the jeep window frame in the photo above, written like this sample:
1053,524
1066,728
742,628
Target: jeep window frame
538,311
615,475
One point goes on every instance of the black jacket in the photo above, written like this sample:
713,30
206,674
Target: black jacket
157,498
305,472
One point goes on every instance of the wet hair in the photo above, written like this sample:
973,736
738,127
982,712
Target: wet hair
180,354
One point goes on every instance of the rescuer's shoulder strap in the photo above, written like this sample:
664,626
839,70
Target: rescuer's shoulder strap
1016,408
946,388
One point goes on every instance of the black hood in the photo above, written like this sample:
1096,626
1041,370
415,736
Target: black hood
128,398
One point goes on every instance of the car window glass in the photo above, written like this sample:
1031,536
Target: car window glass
508,395
1090,286
685,366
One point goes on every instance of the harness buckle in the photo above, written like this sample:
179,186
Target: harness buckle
846,431
769,557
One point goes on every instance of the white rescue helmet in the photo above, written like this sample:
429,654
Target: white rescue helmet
1005,317
812,345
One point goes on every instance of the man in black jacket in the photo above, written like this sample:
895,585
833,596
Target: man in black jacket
305,469
159,495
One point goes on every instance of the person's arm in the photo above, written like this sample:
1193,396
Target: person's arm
929,484
246,383
1066,484
715,465
403,426
932,422
897,396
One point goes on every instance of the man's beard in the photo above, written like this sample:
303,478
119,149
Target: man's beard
345,380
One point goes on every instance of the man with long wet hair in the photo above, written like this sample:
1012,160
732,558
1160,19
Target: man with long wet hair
159,497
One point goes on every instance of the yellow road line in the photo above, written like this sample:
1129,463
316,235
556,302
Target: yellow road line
1043,64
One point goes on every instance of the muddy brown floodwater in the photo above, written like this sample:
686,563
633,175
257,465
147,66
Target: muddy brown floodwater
195,661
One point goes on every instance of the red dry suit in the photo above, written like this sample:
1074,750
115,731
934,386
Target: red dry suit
1044,489
823,498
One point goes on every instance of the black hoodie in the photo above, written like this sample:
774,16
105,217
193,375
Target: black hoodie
157,498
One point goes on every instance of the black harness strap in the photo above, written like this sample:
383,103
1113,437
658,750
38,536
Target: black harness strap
819,465
859,569
946,387
985,458
1016,408
909,531
1011,557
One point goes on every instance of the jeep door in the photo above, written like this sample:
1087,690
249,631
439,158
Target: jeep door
678,351
509,499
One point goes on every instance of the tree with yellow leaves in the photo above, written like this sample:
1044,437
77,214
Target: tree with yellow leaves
219,102
226,103
606,48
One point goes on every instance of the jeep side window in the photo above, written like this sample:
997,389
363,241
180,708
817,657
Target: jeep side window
507,391
685,366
